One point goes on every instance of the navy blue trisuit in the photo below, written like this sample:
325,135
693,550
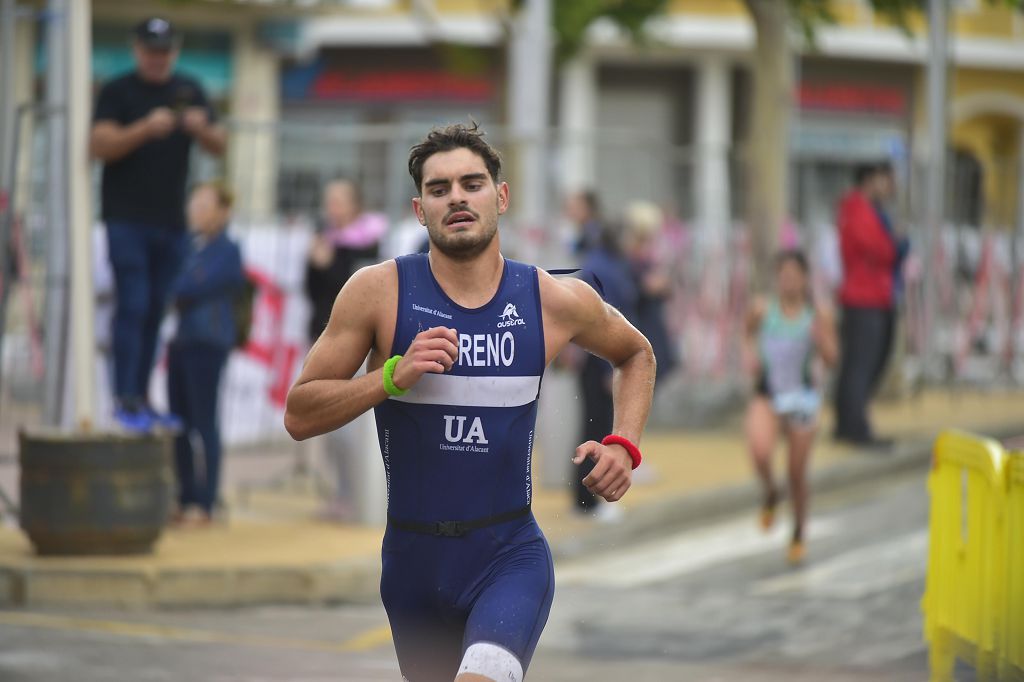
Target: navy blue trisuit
463,559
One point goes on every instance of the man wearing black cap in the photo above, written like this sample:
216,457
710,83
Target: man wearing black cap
143,129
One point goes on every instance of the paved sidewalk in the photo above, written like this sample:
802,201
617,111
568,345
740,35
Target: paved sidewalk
273,549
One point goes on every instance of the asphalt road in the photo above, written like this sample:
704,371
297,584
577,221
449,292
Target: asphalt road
717,602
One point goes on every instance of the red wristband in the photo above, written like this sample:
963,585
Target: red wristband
633,450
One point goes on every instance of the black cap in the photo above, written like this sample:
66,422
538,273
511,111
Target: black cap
156,34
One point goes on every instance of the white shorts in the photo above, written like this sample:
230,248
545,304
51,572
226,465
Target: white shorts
799,407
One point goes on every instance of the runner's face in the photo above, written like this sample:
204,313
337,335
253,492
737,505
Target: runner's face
792,282
460,203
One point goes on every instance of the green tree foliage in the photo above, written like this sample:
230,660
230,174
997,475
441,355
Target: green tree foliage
573,17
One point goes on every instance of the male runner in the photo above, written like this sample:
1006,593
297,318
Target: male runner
458,340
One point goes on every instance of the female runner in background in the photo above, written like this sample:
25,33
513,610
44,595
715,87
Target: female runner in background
786,333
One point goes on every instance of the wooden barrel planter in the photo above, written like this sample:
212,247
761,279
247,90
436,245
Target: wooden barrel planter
88,494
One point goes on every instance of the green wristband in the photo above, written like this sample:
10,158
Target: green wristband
389,381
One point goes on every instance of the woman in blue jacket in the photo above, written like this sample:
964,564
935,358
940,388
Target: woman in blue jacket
203,296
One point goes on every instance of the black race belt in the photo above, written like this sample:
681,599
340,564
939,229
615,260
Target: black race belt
455,529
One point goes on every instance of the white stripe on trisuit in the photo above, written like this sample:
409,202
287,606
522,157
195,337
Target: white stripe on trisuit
462,391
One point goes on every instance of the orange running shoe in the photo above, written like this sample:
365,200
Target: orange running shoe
767,518
797,552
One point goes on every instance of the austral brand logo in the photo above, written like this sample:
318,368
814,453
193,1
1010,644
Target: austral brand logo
510,318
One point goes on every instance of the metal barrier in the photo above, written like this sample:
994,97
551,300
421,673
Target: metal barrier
972,603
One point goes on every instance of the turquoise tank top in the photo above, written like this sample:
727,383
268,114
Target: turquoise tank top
786,346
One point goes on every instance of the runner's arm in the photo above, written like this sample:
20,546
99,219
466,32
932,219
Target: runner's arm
751,353
603,331
325,396
600,329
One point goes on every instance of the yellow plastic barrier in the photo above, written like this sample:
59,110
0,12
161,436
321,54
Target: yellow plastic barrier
1012,658
964,601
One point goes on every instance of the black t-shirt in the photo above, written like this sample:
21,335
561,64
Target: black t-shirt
148,185
323,284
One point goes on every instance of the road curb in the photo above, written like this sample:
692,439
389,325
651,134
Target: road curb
25,583
354,581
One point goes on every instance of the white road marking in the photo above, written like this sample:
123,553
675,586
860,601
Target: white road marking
685,553
857,573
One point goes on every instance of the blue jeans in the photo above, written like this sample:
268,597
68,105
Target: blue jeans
193,383
145,260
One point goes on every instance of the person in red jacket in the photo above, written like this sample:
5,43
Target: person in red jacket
871,254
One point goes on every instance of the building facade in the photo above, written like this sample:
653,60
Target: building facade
342,88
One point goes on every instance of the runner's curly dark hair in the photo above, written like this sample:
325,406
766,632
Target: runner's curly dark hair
455,136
